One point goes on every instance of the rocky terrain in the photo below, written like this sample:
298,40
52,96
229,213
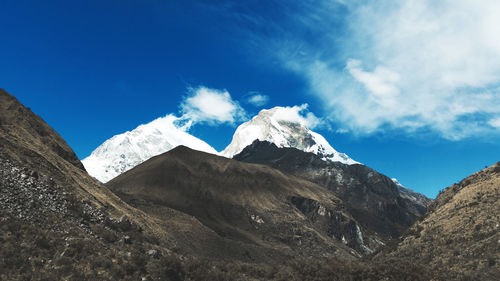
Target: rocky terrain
373,199
37,198
461,232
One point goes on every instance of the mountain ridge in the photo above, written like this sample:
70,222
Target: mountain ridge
16,116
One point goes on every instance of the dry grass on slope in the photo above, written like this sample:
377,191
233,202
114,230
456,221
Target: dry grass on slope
461,233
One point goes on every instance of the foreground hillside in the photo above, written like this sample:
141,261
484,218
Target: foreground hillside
461,232
58,223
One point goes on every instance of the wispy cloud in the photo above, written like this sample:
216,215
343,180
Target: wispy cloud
257,99
211,106
341,131
298,114
407,65
495,123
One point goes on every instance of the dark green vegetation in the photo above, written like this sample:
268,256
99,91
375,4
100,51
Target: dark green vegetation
211,218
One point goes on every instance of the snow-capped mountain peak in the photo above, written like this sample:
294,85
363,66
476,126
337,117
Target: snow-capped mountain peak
125,151
412,195
285,127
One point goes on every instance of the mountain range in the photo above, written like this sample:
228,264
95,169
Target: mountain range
125,151
275,211
277,125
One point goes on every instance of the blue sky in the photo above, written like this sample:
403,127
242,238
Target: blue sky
410,88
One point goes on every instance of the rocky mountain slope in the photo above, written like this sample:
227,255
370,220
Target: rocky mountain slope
461,232
372,198
56,221
252,204
283,127
125,151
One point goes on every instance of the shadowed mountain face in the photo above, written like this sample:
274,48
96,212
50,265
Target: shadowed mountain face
373,199
461,232
248,203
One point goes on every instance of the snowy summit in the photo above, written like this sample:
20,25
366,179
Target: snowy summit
125,151
285,127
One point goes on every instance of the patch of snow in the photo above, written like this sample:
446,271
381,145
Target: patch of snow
359,234
321,211
344,240
395,180
339,178
257,219
366,249
379,242
411,195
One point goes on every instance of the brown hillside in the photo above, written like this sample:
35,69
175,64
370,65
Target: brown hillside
461,232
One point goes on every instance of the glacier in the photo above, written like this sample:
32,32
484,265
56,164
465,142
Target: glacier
125,151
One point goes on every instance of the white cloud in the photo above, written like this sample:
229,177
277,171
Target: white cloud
410,65
257,99
211,106
495,123
381,83
299,114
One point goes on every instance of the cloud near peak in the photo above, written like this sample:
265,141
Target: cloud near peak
297,114
257,99
211,106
